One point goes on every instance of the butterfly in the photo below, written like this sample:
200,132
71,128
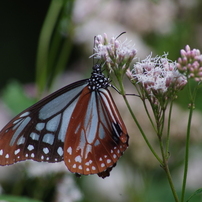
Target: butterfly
78,124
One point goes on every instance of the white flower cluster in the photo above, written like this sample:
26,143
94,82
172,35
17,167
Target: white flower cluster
157,75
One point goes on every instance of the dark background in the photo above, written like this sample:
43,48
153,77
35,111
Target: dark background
20,25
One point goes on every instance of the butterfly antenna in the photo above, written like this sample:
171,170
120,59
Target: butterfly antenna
94,51
120,35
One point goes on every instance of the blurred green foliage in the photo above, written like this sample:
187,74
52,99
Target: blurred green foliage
17,199
15,98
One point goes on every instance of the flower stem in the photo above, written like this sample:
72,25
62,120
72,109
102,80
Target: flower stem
187,152
168,130
148,114
141,131
164,153
166,169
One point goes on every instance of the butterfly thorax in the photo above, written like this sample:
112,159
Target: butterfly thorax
98,79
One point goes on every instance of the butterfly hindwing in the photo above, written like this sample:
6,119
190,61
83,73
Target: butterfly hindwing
96,136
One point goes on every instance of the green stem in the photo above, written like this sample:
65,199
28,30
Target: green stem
166,169
187,151
162,122
168,129
120,82
148,114
141,131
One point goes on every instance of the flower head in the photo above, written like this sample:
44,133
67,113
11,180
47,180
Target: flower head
157,77
190,63
116,55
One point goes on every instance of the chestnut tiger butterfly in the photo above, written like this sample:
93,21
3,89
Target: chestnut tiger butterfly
78,124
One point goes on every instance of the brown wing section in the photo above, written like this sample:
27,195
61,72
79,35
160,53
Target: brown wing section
96,137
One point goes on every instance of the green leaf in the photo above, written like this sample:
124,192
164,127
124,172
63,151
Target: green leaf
8,198
198,191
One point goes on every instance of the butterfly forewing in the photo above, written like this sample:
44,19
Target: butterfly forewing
38,133
98,135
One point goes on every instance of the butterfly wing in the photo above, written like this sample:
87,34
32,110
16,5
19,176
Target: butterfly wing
79,124
38,132
96,136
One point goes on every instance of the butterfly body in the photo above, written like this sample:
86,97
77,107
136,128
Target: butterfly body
79,124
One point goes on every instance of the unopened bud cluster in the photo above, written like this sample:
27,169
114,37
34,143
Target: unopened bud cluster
190,63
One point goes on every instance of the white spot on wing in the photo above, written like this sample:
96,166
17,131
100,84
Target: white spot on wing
30,147
46,150
24,114
69,151
60,151
87,163
108,160
114,156
34,136
21,140
78,159
17,151
40,126
1,152
16,121
48,138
